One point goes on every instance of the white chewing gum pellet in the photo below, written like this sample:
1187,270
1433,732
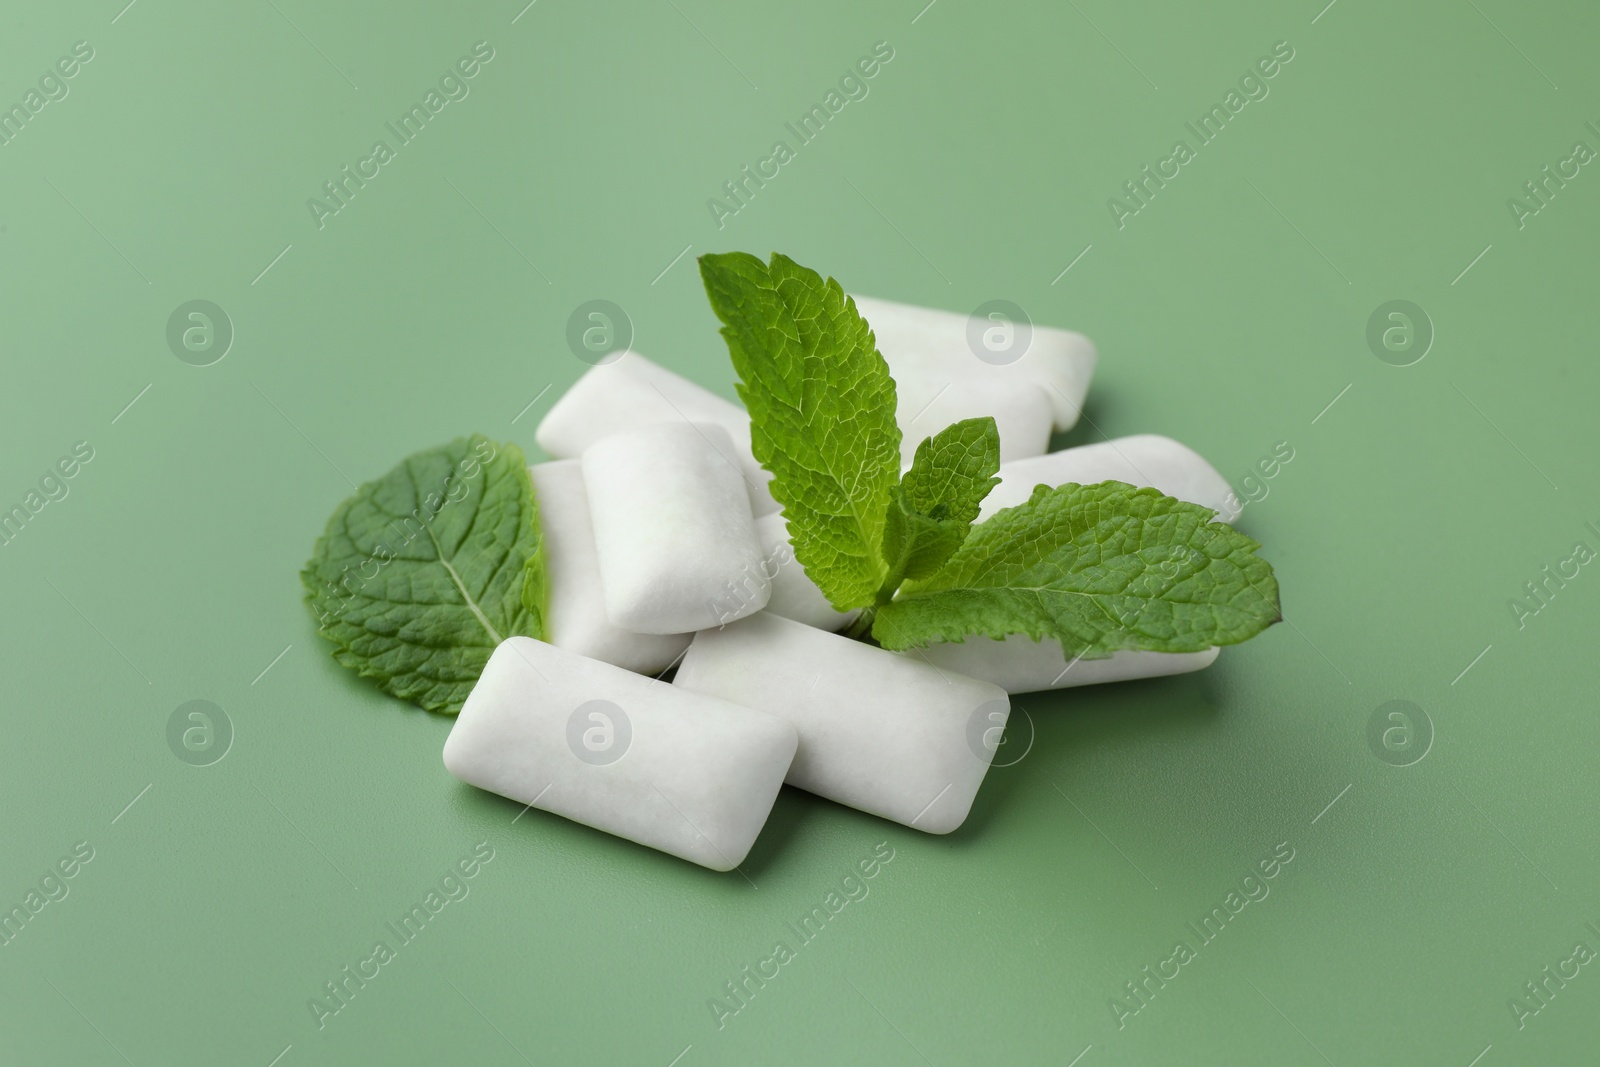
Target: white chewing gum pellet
1020,664
928,345
1021,414
673,532
880,732
1141,460
632,391
575,618
688,774
794,595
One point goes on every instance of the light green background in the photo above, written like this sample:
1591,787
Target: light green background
1229,313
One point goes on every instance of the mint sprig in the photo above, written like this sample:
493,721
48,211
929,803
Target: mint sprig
424,571
1098,568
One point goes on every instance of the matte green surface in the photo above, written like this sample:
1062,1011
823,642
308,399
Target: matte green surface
1230,312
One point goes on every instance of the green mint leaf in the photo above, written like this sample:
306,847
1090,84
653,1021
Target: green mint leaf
937,500
822,406
955,469
536,580
425,570
1099,568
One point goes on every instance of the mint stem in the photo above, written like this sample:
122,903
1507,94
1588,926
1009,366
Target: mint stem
861,628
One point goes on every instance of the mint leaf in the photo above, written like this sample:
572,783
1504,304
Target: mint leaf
937,500
425,570
822,407
536,581
1099,568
